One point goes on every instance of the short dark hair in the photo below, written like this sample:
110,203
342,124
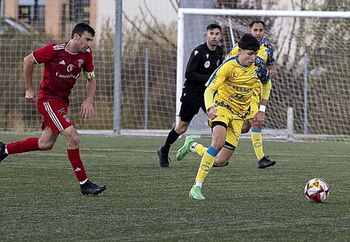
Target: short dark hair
257,21
80,28
248,42
213,26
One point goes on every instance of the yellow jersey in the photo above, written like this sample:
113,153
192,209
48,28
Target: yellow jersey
265,54
234,85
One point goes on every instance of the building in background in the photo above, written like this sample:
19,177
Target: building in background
57,17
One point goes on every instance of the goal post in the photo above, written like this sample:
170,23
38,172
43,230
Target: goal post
313,60
140,63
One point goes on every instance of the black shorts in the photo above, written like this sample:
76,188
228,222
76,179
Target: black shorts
191,102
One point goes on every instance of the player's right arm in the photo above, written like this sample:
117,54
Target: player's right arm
28,64
38,56
213,84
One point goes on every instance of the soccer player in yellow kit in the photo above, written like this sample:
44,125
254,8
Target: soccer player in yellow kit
227,100
257,29
265,53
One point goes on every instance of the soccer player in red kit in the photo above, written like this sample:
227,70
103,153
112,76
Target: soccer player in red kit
63,64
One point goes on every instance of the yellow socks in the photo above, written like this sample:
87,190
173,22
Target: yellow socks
206,164
199,149
257,143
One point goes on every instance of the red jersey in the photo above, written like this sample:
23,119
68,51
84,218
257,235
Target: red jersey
61,70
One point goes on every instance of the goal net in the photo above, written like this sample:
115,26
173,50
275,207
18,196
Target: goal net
310,96
28,25
147,93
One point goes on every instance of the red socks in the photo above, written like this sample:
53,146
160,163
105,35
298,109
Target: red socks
30,144
77,164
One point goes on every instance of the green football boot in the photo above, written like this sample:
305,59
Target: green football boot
185,149
196,193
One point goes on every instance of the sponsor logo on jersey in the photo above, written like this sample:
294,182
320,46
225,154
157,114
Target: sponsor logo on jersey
70,67
64,76
207,64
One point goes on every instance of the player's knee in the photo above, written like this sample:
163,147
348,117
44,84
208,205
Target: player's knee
180,129
74,140
217,145
45,145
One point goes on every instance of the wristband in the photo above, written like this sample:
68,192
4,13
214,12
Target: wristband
262,108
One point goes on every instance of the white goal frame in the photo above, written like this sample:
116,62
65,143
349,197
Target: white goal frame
286,134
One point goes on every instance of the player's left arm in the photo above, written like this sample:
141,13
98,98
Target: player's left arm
259,118
215,81
264,77
271,66
87,108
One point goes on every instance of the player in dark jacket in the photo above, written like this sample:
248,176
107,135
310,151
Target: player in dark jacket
204,60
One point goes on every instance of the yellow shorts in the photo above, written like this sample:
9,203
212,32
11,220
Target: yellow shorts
233,122
254,106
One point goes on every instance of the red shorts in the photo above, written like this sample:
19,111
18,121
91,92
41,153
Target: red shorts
55,115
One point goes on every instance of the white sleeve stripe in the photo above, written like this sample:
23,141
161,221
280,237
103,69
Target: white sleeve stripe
35,59
53,116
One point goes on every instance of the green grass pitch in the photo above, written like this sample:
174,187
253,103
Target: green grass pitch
40,199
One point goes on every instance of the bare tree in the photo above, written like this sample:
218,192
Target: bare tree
151,27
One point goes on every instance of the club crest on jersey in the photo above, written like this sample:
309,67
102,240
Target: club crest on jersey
70,67
207,64
233,75
80,63
66,118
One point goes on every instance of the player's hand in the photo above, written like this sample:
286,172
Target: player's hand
87,110
259,119
211,112
273,74
30,96
272,71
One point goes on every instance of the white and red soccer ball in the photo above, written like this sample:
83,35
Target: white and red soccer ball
316,190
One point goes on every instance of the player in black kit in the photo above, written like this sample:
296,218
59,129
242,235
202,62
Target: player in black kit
204,60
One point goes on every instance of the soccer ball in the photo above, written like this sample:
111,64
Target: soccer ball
316,190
